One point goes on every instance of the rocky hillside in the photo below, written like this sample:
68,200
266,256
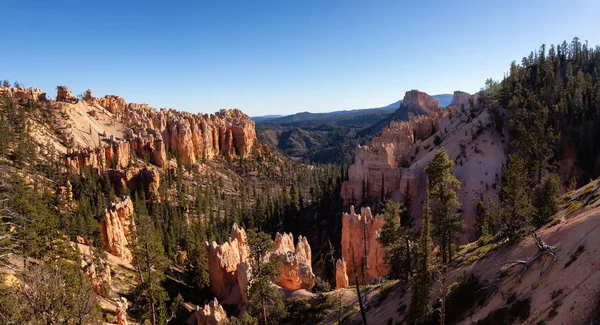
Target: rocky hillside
500,283
391,165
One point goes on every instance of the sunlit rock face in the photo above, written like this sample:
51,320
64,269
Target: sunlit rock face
117,227
192,137
419,102
224,263
23,94
380,165
295,269
341,274
358,230
230,272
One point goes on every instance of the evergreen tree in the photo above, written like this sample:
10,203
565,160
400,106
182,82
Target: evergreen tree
515,209
443,186
396,241
546,200
149,260
420,305
266,301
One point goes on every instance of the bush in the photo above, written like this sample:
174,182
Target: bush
321,285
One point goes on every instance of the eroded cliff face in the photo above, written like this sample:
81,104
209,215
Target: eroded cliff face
229,265
295,268
385,162
192,137
224,263
355,229
395,160
23,94
117,227
149,134
462,100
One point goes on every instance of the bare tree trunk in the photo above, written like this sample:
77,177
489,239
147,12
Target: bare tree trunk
363,313
364,263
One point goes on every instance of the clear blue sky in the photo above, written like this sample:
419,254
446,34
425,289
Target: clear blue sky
279,56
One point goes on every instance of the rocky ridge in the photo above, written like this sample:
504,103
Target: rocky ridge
19,94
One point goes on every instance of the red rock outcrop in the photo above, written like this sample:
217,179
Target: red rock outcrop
341,274
115,155
223,263
117,227
193,137
147,144
295,270
99,275
382,162
229,265
419,102
211,314
63,94
18,94
355,227
112,103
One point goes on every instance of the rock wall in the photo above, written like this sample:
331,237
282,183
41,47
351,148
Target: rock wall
115,154
355,227
116,228
386,160
395,160
99,275
19,94
295,270
193,137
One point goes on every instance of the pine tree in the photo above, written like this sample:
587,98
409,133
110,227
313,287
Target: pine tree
420,305
149,260
396,241
443,186
546,200
515,209
266,301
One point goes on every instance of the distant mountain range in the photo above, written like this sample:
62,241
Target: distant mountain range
338,116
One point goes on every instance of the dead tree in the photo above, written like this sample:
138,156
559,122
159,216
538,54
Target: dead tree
543,250
363,312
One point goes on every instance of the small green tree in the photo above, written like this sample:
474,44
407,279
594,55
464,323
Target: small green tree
515,209
395,238
266,301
